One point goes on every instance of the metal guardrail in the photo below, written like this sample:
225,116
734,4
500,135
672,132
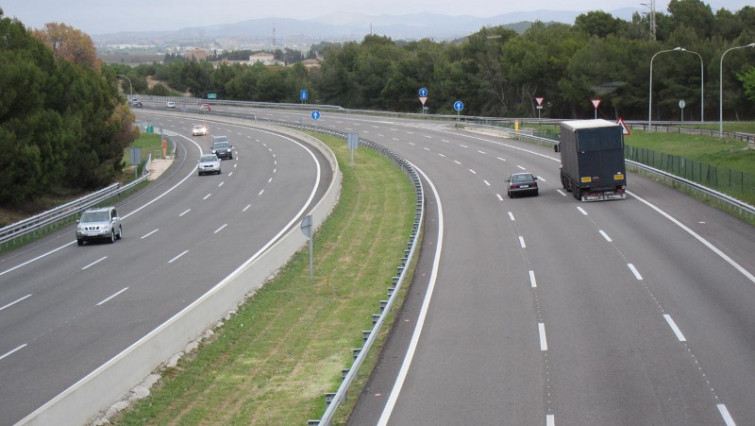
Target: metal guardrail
743,209
42,222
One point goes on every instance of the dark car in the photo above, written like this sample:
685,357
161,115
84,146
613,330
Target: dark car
222,148
522,183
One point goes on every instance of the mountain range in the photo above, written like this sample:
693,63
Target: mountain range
347,27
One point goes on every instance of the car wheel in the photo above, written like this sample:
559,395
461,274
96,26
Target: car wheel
509,194
536,192
219,172
80,242
112,236
120,232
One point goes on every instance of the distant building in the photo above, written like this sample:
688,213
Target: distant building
196,54
311,63
265,58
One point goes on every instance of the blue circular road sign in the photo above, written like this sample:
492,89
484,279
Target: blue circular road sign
423,91
315,115
458,105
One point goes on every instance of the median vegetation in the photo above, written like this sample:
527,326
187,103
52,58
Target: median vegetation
274,360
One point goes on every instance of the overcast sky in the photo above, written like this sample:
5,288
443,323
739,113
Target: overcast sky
108,16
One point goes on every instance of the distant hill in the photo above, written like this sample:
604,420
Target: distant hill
347,27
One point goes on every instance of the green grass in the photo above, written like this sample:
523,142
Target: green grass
728,153
273,361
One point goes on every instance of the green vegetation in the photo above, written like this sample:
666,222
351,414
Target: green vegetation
63,127
498,72
274,360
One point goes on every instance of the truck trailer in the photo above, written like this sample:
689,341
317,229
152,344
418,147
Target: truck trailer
592,159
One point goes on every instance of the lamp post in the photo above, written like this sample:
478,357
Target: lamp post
130,87
650,95
701,81
721,88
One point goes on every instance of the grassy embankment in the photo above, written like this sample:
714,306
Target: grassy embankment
273,361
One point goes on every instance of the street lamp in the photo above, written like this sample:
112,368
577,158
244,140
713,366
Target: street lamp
130,87
701,81
650,96
721,89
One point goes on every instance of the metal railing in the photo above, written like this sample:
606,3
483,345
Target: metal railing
41,223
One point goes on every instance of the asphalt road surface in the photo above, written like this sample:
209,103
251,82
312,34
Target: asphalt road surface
545,310
65,310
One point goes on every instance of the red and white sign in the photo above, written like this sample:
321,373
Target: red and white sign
624,127
539,100
595,103
423,99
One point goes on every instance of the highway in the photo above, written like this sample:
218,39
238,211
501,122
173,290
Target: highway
545,310
534,310
65,310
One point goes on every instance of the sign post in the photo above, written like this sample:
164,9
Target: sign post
595,104
423,97
539,100
352,143
306,229
458,106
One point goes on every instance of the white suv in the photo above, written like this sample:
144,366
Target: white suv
100,223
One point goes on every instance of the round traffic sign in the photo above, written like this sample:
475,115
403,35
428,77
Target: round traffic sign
423,92
315,115
458,105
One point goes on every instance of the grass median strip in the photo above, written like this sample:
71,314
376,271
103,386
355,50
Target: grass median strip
274,360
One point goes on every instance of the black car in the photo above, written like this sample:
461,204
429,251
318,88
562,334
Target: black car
522,183
223,150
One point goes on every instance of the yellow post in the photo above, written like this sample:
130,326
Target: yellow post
516,126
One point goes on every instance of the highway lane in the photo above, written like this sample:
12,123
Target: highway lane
65,313
549,310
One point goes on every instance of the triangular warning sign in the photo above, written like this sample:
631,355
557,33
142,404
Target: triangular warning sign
624,127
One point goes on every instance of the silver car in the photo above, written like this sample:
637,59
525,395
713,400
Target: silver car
100,223
208,163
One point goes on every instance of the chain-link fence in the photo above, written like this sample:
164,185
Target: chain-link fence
734,182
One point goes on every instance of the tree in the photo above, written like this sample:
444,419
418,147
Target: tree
748,82
70,44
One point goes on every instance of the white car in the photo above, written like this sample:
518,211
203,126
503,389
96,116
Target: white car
208,163
199,130
170,104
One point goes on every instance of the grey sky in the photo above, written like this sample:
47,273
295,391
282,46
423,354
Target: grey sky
108,16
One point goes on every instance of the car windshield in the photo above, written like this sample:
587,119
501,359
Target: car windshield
211,157
222,145
219,139
521,178
101,216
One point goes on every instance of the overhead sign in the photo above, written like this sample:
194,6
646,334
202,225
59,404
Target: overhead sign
624,128
595,103
539,100
458,105
315,115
